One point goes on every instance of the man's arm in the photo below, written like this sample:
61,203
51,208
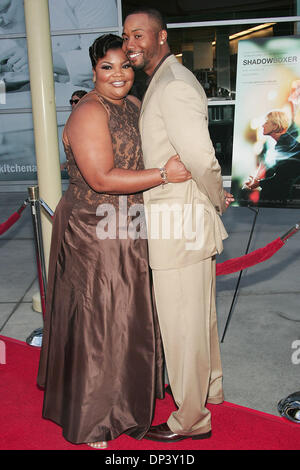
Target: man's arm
185,117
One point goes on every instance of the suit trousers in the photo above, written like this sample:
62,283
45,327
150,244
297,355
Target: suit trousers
186,306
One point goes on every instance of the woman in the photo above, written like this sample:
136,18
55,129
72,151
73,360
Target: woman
101,360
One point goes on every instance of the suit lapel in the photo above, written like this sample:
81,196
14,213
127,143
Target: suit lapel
154,80
147,95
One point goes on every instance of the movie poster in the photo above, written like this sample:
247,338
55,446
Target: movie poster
266,140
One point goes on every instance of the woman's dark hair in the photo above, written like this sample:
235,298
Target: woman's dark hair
103,44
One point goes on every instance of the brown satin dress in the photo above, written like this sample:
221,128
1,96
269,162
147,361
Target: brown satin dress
101,361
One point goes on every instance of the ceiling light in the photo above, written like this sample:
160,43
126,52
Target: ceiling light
248,31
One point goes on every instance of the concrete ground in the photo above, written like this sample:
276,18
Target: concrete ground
261,349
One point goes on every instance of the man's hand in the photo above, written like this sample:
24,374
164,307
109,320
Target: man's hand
251,183
295,93
228,198
16,59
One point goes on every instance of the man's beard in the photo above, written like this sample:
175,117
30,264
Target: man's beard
138,67
141,65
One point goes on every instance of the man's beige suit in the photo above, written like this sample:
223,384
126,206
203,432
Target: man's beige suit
173,120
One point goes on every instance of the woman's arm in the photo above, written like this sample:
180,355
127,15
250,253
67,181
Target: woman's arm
88,135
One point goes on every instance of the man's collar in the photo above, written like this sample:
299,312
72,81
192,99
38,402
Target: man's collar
156,68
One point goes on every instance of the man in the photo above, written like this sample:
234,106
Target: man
276,183
76,97
173,119
74,100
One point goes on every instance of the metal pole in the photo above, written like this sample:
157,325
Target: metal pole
240,275
43,110
33,192
45,206
297,24
290,232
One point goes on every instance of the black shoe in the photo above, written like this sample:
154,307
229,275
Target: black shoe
162,433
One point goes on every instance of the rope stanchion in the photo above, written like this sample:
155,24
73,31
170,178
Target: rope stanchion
251,259
47,208
290,232
255,257
33,192
230,266
36,337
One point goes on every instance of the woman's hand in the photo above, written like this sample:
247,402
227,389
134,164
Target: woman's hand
176,171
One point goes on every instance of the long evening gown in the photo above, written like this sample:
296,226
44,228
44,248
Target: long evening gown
101,361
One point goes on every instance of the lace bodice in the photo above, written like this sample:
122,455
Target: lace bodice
123,126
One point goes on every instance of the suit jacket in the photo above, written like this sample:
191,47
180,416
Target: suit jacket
174,119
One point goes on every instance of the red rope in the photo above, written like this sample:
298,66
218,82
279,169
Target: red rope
246,261
227,267
10,221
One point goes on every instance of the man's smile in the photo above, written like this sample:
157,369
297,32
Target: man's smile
133,55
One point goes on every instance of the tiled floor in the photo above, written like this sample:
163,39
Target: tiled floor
257,352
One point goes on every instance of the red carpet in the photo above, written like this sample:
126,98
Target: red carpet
23,428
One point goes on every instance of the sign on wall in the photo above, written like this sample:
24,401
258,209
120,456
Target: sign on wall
266,141
74,26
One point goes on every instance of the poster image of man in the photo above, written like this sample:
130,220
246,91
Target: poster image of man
279,181
74,25
266,159
71,64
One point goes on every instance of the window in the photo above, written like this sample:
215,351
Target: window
74,25
210,52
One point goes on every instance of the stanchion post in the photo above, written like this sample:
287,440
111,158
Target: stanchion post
43,110
256,211
33,192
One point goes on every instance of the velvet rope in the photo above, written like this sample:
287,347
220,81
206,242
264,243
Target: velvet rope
251,259
12,219
227,267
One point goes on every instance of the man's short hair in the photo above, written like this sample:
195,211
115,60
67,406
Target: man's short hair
79,93
152,13
280,120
